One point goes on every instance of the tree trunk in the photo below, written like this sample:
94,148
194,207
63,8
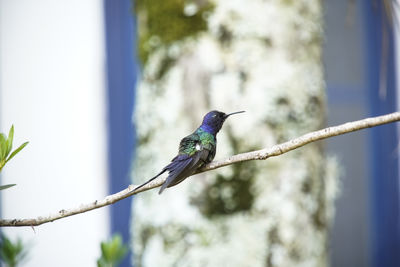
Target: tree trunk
260,56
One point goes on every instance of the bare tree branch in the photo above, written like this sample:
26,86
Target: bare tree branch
254,155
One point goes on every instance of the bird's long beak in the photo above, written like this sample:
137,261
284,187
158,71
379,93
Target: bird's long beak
227,115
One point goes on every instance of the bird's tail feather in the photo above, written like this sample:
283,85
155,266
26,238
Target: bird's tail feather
178,171
145,183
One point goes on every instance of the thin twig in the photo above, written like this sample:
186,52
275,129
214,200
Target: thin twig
254,155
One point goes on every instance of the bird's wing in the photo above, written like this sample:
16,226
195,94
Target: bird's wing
188,145
183,166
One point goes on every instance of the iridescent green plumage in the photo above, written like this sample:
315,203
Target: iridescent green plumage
200,139
195,150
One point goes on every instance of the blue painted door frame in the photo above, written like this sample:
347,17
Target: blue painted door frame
384,169
121,79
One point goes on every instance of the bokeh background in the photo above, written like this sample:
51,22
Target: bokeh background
104,91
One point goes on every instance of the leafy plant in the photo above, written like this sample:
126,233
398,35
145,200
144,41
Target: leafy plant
5,149
11,253
112,252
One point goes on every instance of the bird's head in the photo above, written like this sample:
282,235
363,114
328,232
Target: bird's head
213,121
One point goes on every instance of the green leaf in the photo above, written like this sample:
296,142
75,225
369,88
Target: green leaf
3,147
10,140
112,252
8,147
12,253
17,150
11,133
2,187
102,263
3,137
2,163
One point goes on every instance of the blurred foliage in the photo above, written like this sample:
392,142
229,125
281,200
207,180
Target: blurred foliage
5,149
162,22
112,252
11,253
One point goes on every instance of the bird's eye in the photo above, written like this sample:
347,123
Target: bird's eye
214,116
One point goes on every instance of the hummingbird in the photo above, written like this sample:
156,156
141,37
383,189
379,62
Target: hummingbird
195,150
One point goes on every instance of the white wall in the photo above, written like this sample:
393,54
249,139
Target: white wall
52,88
